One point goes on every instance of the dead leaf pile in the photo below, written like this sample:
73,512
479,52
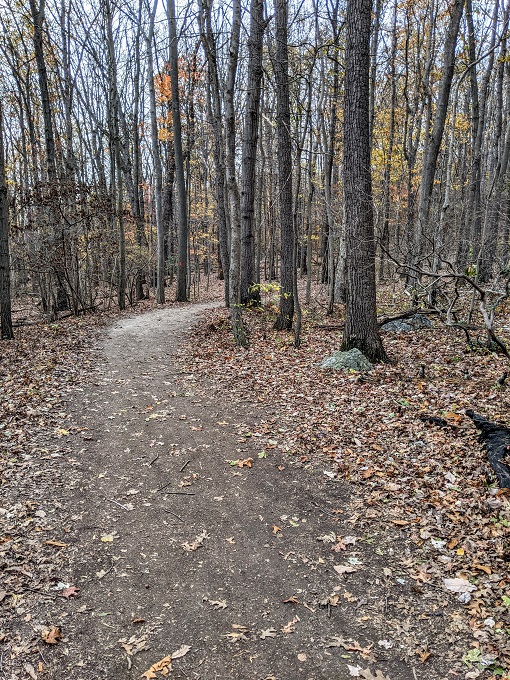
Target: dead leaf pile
412,484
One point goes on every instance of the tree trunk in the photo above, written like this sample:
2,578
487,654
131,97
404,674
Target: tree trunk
361,330
430,160
5,272
156,160
209,45
249,293
287,248
182,212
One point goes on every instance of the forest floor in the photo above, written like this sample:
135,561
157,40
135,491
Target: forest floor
174,505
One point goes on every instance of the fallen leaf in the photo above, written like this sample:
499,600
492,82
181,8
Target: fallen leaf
197,543
31,671
236,637
134,644
458,585
301,657
276,529
267,633
72,591
290,626
344,569
51,635
182,651
163,666
56,544
218,604
367,674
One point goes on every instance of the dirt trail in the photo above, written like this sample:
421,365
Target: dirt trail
172,543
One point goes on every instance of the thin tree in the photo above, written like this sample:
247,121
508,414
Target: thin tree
182,210
287,248
156,159
361,330
5,272
249,277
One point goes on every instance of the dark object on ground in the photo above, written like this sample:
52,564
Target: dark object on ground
502,380
412,323
434,420
496,439
409,314
397,327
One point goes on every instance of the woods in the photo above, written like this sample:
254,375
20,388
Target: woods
255,340
146,147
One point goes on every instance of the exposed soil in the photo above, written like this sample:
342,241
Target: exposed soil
180,531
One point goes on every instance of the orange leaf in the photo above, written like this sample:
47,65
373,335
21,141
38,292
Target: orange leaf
276,529
51,635
57,544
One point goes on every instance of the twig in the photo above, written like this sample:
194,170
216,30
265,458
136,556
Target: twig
117,503
154,460
163,487
184,466
173,513
181,493
39,592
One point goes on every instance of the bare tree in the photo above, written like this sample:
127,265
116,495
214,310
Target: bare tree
361,330
5,274
249,277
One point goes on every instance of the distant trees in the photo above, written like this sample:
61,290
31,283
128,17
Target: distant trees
148,148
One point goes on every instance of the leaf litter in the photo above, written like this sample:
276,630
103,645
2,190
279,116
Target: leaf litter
424,496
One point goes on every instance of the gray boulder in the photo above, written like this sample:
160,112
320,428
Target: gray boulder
397,327
352,360
412,324
420,321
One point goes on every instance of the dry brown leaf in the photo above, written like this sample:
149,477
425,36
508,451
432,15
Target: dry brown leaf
290,626
379,675
51,635
56,544
236,637
163,666
134,644
197,543
344,569
72,591
182,651
31,671
247,462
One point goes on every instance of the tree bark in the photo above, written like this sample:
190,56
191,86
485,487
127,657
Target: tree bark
5,272
287,247
249,293
209,45
156,160
361,329
182,212
434,144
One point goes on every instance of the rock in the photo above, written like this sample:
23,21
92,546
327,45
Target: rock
412,324
420,321
353,360
397,327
